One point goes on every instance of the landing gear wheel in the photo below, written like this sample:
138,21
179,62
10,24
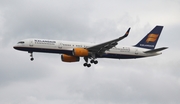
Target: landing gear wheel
31,55
32,59
95,62
86,64
92,61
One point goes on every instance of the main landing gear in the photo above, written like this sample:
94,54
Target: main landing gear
31,55
94,61
88,64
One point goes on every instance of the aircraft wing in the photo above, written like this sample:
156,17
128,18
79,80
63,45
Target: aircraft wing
101,48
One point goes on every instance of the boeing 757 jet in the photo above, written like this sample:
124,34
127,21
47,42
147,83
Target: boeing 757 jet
72,51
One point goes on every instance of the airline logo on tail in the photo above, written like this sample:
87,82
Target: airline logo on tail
152,38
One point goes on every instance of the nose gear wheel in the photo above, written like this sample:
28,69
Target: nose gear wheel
31,55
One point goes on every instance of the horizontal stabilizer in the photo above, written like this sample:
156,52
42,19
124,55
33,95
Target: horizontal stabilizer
156,50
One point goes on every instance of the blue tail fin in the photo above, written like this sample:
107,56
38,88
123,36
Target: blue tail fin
150,40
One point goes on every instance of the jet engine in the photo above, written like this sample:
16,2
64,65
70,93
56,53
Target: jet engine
80,52
68,58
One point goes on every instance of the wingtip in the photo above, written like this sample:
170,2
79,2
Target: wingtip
128,31
165,47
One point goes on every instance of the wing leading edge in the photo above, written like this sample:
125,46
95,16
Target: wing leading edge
102,47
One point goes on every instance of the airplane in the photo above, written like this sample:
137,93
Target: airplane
72,51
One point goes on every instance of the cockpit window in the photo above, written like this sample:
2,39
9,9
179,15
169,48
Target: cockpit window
21,42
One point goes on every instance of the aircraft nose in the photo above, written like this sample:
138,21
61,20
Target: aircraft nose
15,47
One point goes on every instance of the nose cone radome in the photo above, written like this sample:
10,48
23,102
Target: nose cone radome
15,47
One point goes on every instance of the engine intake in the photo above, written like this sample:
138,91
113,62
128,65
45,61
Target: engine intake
80,52
68,58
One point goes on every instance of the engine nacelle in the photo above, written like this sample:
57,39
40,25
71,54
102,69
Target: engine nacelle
68,58
80,52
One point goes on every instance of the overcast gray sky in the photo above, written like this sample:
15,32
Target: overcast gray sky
47,80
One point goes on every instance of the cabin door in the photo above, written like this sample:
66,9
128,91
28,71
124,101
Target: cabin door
60,45
136,51
31,43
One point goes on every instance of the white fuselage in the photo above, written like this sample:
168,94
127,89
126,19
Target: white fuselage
66,47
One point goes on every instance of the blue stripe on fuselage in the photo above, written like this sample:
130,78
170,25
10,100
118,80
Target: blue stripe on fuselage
120,56
32,49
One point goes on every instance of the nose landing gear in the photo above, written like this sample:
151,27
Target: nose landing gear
31,55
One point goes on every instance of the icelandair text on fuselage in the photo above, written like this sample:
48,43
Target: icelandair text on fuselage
45,42
145,45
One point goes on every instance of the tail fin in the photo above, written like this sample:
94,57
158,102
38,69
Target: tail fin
150,40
